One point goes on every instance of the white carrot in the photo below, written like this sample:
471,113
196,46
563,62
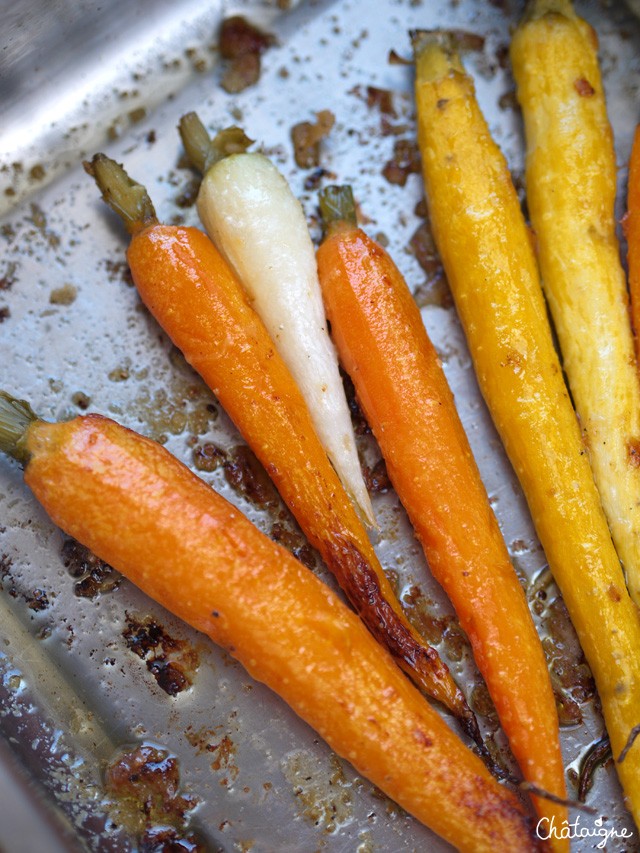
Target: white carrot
251,214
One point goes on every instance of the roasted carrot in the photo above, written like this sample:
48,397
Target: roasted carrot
196,298
400,384
488,257
632,233
137,507
571,180
249,211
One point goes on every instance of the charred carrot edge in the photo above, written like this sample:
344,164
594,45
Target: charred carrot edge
571,180
632,233
137,507
188,287
400,384
488,258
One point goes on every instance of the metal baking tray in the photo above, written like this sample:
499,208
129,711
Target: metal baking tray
90,669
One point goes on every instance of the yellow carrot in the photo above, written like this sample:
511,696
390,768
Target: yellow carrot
571,186
487,254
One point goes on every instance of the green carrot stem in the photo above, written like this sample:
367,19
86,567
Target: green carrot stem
337,207
15,418
124,196
202,150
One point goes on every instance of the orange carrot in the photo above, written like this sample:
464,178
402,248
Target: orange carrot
196,298
632,233
137,507
402,389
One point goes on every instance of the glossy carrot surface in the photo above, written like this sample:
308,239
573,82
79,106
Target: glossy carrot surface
488,258
138,508
632,233
571,178
403,391
251,214
191,291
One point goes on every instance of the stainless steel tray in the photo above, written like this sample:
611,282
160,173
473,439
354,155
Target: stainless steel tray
83,660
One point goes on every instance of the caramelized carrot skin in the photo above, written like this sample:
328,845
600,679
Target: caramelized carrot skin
191,291
406,399
142,511
632,231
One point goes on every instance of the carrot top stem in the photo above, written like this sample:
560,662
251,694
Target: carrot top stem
15,417
337,206
436,54
538,8
202,150
124,196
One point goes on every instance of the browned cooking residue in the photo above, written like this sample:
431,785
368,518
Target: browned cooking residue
571,677
358,420
208,457
437,630
405,161
37,600
94,576
220,746
633,452
381,99
241,45
172,662
324,794
295,542
245,475
143,784
376,478
307,139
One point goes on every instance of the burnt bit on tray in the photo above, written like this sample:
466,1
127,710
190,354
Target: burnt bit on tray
376,478
65,295
295,542
118,271
189,194
571,677
143,784
323,793
37,600
381,99
442,630
6,577
313,181
307,138
94,576
208,457
245,474
172,662
405,161
9,278
358,420
241,45
435,289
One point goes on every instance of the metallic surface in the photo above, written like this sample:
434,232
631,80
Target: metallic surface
85,76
